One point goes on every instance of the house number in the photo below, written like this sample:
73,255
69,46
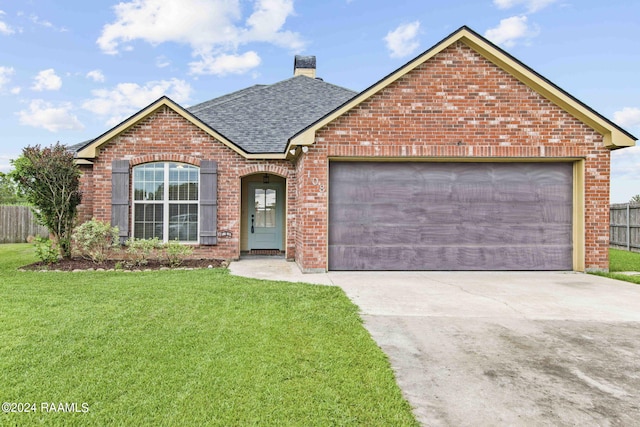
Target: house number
315,181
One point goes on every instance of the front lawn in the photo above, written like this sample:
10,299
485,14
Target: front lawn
197,347
619,261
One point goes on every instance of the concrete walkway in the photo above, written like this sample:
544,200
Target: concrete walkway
275,268
487,349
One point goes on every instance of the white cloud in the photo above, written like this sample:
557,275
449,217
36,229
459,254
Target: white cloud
4,27
96,76
625,163
212,28
16,90
627,117
42,114
402,41
162,61
625,174
127,98
5,75
266,21
199,23
44,23
226,64
531,5
36,20
510,30
47,80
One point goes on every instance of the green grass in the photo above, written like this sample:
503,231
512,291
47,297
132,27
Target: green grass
619,261
185,348
623,260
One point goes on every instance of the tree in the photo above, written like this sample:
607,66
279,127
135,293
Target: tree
635,200
50,181
9,194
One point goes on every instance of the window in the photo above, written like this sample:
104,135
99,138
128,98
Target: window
265,199
165,201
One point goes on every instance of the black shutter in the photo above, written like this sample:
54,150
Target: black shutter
208,202
120,197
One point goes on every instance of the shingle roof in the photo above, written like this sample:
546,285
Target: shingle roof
75,147
261,118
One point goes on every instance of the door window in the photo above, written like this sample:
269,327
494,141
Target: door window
265,206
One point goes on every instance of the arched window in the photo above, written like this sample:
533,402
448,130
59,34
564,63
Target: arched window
165,201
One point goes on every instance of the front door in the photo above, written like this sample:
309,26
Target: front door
266,206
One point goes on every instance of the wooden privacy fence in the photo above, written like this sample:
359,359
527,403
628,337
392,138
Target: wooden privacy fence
624,226
17,223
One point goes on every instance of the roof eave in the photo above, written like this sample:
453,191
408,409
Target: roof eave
82,162
616,139
265,156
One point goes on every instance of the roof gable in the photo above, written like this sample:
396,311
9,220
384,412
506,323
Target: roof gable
90,149
255,122
614,135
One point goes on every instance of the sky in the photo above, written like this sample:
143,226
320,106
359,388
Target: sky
72,69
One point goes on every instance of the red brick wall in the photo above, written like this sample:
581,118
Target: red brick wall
85,210
311,237
167,136
456,105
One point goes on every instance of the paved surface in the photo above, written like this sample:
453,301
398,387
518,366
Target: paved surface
273,268
488,349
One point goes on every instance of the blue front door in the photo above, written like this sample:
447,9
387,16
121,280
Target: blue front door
266,206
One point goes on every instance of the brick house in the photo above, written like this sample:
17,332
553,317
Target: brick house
462,159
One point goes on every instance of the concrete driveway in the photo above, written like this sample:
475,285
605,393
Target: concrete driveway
488,349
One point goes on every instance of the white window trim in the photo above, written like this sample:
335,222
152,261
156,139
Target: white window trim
165,203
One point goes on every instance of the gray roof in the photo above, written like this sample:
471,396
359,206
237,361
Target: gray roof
261,118
76,147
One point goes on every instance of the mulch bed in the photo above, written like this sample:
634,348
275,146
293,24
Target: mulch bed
81,264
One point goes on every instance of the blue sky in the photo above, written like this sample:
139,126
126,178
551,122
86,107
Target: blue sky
70,69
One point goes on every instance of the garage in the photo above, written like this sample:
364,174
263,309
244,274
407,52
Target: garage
450,216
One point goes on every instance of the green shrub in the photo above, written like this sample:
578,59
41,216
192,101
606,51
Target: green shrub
49,179
46,251
140,250
95,239
175,252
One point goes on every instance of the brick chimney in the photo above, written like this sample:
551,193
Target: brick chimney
304,66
